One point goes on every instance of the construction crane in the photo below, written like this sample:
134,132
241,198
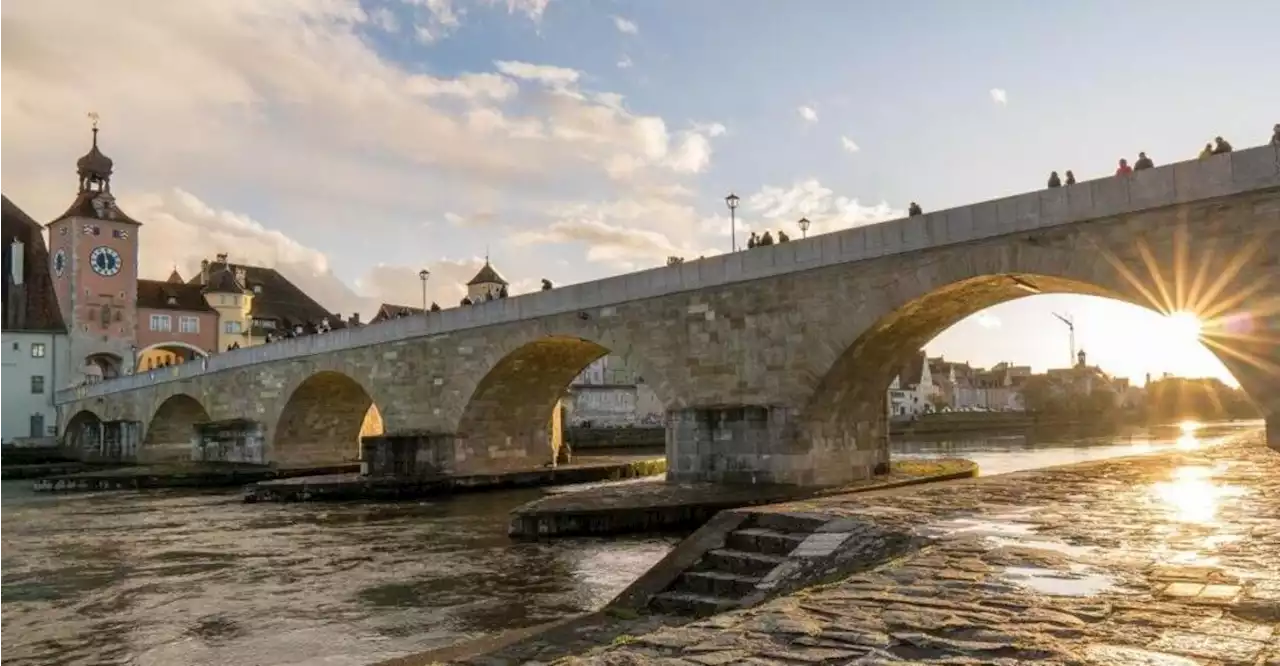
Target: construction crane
1071,327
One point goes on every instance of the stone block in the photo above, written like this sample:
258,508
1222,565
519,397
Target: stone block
1026,212
757,263
807,251
1255,168
1079,201
1110,196
1202,179
960,225
853,244
873,237
986,220
1152,188
690,275
1006,215
832,248
936,228
1055,207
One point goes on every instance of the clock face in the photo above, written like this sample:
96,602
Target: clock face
105,261
59,262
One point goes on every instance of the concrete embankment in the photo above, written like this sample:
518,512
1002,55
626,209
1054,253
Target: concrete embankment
1167,558
352,486
177,475
658,506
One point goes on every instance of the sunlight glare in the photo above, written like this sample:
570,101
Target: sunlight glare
1189,427
1184,326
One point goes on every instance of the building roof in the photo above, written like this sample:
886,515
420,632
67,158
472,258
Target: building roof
34,308
176,277
223,281
168,295
487,275
389,311
275,297
84,206
94,162
910,373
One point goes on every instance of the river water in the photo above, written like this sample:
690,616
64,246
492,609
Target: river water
185,579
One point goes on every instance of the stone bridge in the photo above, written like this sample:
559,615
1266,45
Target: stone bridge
773,363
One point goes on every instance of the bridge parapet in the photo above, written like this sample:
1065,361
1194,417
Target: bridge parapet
1218,176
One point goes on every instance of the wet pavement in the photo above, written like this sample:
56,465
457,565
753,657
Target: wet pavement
1169,559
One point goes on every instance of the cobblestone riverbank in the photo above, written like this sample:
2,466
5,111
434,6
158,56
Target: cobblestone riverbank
1170,559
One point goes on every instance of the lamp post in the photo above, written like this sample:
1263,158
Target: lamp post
804,227
732,202
423,275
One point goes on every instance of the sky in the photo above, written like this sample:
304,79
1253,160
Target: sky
351,143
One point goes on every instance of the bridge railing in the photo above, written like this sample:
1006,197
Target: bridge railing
1192,180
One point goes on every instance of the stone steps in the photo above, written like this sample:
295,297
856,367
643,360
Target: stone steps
689,603
740,561
763,540
723,578
717,584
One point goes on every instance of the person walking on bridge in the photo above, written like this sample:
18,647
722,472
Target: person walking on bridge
1124,169
1143,162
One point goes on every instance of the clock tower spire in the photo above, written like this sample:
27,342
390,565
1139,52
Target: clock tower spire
94,262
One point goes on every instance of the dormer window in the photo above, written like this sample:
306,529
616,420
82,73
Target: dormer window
257,289
172,300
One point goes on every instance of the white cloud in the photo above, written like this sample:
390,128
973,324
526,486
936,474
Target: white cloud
548,74
987,320
625,62
625,26
809,198
849,145
808,113
285,106
710,129
999,96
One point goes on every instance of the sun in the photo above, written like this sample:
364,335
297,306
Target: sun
1183,326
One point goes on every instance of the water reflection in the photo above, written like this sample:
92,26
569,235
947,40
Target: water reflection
1011,453
1192,496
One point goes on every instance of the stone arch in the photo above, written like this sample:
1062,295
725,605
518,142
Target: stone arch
843,425
83,433
171,429
190,351
510,418
323,421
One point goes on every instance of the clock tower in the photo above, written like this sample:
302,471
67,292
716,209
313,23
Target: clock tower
93,255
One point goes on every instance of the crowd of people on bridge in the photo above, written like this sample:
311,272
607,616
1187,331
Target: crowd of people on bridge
1218,146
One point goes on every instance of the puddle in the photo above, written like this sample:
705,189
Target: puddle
976,527
1076,583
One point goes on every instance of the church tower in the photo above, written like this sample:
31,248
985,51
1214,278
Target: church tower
93,255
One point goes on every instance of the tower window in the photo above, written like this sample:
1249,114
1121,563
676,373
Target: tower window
160,322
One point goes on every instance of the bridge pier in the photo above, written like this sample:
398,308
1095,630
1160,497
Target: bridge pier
1273,432
409,455
115,441
235,440
758,444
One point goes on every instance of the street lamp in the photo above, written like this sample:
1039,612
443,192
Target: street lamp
804,227
423,275
732,202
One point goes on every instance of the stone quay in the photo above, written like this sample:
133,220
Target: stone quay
1168,559
772,364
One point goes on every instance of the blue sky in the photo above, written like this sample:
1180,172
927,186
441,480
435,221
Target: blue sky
299,133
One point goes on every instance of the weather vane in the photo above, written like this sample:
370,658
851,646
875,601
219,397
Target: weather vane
93,116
